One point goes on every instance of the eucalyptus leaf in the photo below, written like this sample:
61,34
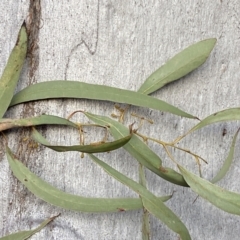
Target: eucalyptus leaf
139,150
145,217
224,115
150,201
178,66
227,163
80,90
54,196
7,123
102,147
226,200
118,130
12,70
27,234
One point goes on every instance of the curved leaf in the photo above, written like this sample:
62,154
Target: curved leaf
12,70
52,195
27,234
180,65
103,147
224,115
7,123
150,201
226,200
227,163
73,89
139,150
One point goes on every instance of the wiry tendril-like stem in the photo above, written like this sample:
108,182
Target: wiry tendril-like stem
172,144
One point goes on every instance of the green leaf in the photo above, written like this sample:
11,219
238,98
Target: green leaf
227,163
180,65
27,234
226,200
139,150
12,70
118,130
6,123
150,201
224,115
103,147
73,89
52,195
145,217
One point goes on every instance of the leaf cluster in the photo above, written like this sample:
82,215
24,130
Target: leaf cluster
126,137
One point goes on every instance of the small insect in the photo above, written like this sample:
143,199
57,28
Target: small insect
121,210
224,132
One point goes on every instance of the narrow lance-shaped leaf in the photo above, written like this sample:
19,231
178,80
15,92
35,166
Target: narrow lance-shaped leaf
150,201
139,150
27,234
118,130
224,115
178,66
12,70
102,147
227,163
7,123
226,200
80,90
145,216
54,196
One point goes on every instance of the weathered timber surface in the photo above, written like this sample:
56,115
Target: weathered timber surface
119,43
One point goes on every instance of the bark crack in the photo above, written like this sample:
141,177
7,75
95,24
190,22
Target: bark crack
83,42
18,195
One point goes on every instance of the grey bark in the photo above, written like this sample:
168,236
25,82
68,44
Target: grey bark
119,43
